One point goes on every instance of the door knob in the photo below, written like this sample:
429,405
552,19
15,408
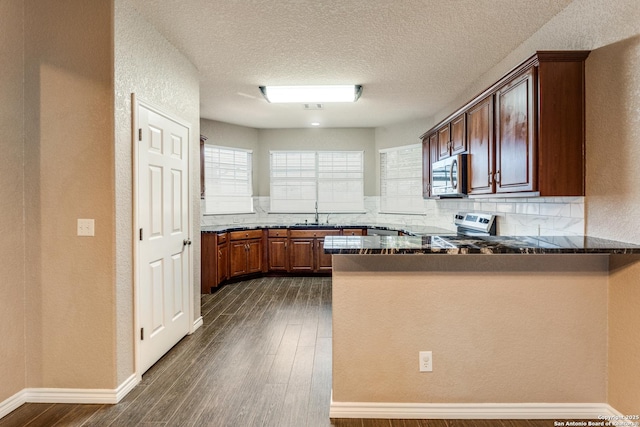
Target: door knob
186,242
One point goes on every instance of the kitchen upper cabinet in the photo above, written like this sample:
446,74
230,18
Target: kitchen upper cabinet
452,138
481,147
515,145
525,133
430,154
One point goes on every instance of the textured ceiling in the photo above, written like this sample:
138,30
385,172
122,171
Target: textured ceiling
412,57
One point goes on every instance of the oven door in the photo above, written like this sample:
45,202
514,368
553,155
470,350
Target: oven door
448,177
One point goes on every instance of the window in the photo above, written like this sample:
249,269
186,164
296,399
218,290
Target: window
401,179
228,180
332,179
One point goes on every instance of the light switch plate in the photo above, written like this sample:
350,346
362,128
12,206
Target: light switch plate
86,227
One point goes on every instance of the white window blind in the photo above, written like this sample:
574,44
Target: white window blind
333,179
227,180
401,179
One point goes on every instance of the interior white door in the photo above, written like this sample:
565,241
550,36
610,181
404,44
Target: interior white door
163,262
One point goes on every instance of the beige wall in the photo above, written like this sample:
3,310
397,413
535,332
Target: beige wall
12,266
502,328
149,66
69,160
613,191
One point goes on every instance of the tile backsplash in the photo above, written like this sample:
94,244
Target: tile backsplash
561,216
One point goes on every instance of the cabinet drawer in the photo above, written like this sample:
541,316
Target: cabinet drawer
222,237
277,232
246,234
353,232
313,233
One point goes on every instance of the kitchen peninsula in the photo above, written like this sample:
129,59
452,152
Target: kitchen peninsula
517,326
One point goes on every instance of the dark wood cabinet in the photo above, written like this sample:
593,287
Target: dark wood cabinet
208,260
277,248
525,133
306,250
481,147
452,138
301,254
214,260
515,144
231,255
429,155
245,252
223,263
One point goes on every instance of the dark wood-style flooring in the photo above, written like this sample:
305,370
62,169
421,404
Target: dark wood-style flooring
262,358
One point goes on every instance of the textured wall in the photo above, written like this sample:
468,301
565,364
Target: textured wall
610,30
12,267
149,66
613,192
502,329
69,175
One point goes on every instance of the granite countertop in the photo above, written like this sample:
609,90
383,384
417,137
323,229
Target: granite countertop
413,231
457,244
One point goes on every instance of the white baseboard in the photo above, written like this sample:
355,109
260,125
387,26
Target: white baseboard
12,403
197,323
68,395
471,410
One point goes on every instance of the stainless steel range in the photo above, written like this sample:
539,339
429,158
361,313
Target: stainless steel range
475,224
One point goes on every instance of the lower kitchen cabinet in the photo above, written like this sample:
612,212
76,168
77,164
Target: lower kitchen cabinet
277,249
245,252
306,250
231,255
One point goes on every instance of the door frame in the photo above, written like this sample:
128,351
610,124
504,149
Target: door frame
136,103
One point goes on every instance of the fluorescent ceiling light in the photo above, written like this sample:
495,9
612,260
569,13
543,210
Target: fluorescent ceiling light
312,94
315,124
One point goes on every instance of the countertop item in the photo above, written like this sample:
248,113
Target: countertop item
458,244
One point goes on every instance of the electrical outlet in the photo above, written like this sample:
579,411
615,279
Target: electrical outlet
86,227
426,361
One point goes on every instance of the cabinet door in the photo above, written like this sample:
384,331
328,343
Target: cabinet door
238,258
301,254
223,263
458,135
323,261
254,256
277,254
480,141
208,262
426,168
515,145
444,142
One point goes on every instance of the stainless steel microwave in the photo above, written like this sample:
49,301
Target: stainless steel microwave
449,177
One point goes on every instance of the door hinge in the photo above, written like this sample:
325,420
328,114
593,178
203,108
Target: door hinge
141,334
141,234
140,134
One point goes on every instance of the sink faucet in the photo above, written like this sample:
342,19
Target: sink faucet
328,215
316,218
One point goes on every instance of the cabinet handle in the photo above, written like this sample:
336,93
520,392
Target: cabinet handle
490,178
498,177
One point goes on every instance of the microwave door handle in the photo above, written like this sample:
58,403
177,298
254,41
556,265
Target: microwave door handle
453,166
